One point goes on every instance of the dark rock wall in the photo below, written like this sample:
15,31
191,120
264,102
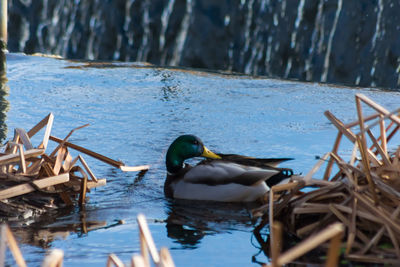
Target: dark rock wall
337,41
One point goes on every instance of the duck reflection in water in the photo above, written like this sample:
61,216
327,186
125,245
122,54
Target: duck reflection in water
190,220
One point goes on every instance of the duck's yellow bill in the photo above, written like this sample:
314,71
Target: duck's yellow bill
208,154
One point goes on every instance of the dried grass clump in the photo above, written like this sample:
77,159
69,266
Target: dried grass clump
32,181
364,194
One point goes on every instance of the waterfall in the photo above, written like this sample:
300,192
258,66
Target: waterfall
332,41
180,40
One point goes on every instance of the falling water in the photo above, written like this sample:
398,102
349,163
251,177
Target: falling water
330,40
299,18
317,34
180,40
164,22
294,40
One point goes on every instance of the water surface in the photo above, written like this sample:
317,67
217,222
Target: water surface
135,112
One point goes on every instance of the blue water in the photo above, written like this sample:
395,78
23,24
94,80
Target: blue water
135,112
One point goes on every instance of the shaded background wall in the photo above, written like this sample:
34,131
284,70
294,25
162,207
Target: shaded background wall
337,41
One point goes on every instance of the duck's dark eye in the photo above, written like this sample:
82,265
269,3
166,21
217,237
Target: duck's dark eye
195,142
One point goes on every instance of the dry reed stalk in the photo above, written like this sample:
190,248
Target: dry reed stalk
59,160
88,170
276,243
334,249
367,169
46,122
378,108
60,145
345,221
335,148
379,149
113,260
146,241
137,261
307,229
352,227
82,195
316,167
161,259
166,258
7,238
29,187
276,189
382,137
117,164
54,259
379,234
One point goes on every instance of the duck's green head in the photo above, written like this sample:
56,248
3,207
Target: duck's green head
185,147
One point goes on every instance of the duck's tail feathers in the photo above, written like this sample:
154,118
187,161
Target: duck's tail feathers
284,173
250,161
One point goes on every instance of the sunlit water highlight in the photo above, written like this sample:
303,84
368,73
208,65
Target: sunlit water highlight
135,112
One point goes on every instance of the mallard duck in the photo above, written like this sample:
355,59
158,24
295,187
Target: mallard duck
220,177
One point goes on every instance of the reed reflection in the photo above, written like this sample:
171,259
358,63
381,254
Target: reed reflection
57,224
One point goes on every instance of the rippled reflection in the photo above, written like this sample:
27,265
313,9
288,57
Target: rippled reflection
58,224
189,221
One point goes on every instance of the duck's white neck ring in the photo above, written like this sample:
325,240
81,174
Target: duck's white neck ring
171,173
